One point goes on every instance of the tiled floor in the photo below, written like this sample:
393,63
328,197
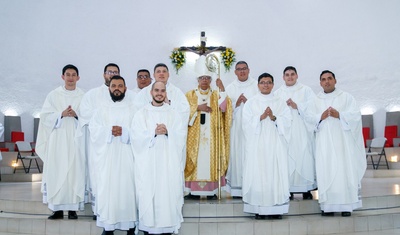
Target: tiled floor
371,187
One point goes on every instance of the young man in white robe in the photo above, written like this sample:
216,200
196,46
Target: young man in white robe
63,180
301,145
93,99
158,140
115,181
239,91
266,125
340,154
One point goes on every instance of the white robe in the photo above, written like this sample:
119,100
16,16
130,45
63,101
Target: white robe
234,175
340,154
91,101
301,146
265,168
159,162
114,172
63,184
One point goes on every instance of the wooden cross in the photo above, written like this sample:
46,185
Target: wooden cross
202,49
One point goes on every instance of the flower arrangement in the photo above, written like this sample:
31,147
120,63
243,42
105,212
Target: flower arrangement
228,58
178,59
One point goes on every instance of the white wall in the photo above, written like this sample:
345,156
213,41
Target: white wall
358,40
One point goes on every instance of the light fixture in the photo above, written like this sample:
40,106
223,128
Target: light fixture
393,158
14,164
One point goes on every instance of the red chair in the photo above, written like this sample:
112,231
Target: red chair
365,132
17,136
390,133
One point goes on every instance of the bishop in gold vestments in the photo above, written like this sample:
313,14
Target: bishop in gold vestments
208,137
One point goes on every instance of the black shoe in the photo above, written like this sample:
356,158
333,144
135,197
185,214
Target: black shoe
237,197
192,197
307,196
72,215
259,217
57,215
291,196
327,213
107,232
276,216
346,214
213,197
131,231
94,217
145,233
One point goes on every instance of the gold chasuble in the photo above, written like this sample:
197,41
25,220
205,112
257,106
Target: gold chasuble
193,138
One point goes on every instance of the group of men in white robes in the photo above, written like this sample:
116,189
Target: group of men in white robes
98,129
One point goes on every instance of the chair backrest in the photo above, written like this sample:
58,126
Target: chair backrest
365,132
24,146
17,136
390,133
378,142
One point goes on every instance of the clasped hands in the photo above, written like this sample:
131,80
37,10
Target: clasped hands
267,113
241,99
68,112
161,129
330,112
116,131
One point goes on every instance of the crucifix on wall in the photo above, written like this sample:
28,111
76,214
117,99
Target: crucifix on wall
202,49
227,54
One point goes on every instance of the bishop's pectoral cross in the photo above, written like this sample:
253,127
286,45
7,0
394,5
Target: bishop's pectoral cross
202,49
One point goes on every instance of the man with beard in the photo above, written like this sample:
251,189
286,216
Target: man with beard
114,173
158,141
143,79
93,99
63,184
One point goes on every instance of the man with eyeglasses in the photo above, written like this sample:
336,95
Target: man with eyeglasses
208,109
143,80
339,154
266,126
301,146
243,88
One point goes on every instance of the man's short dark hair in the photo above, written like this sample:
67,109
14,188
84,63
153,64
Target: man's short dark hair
111,64
289,68
142,70
326,71
117,77
160,65
70,66
241,62
265,75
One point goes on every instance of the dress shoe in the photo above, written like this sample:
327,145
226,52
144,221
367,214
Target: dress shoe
192,197
237,197
72,215
259,217
131,231
94,217
307,196
291,196
57,215
213,197
346,214
327,213
107,232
